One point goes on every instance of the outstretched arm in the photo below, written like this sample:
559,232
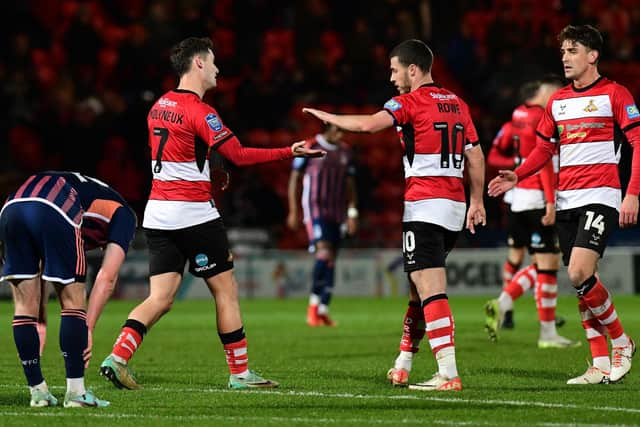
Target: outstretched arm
355,122
243,156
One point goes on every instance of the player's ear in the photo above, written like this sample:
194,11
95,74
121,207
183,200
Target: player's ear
198,61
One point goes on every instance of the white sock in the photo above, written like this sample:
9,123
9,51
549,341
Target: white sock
446,359
621,341
314,299
505,302
42,387
404,361
76,386
602,363
323,309
548,330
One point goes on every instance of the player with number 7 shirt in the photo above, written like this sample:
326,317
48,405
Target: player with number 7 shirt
437,136
586,119
181,221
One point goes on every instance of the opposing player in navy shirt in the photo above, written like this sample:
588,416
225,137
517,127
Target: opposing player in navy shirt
46,226
328,200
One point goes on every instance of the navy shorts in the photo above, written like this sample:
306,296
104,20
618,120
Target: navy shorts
320,229
34,232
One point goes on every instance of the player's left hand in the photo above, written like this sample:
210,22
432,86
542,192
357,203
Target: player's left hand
86,355
629,211
476,216
549,217
502,183
299,149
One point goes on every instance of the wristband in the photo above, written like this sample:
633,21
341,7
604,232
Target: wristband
352,213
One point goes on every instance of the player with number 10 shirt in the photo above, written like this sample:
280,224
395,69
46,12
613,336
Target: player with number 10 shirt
437,136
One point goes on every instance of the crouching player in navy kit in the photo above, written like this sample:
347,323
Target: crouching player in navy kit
45,227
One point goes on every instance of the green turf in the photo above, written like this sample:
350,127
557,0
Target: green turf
329,376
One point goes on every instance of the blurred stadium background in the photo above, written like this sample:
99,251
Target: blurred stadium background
78,78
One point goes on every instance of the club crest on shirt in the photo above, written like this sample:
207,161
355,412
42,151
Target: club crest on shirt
632,111
213,122
392,105
591,107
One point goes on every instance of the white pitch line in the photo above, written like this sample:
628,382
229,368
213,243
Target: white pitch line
416,397
420,397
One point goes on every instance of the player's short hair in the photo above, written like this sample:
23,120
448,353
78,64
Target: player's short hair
553,79
528,90
183,52
414,52
586,35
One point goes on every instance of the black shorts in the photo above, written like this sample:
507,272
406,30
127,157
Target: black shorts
585,227
426,245
527,230
205,246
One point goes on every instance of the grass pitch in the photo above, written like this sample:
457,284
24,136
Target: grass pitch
329,376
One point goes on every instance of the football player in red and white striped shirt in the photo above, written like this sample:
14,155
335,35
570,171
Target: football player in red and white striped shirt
437,136
533,213
181,221
583,119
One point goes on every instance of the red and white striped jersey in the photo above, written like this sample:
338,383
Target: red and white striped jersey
528,194
503,155
182,131
587,123
435,130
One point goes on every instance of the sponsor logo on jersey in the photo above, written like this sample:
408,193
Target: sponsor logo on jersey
213,122
591,107
392,105
563,109
220,135
586,125
442,96
632,111
164,102
560,129
574,135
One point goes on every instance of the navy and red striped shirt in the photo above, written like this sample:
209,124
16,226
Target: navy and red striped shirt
85,202
325,180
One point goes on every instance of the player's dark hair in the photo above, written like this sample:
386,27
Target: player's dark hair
183,53
414,52
528,90
586,35
553,79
